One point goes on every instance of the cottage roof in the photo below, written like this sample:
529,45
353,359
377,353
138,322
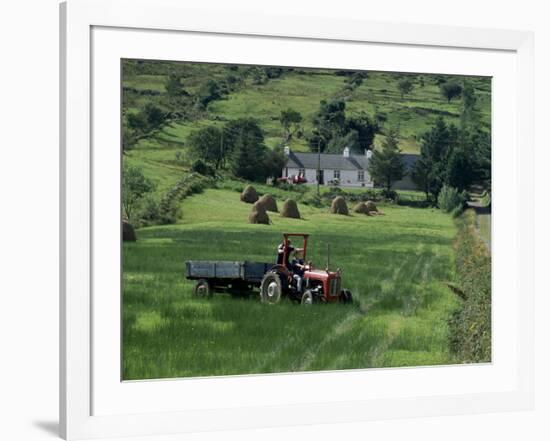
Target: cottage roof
336,162
328,161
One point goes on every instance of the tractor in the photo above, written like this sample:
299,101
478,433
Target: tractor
299,280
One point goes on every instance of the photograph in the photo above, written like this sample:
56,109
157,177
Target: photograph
284,219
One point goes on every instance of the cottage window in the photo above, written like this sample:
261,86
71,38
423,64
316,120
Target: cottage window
336,174
301,172
361,175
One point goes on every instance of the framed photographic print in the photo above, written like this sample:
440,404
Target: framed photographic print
320,217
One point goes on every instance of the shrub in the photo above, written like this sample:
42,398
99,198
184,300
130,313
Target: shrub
200,167
150,211
450,199
313,200
390,195
470,324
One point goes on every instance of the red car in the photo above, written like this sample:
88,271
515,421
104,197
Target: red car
293,179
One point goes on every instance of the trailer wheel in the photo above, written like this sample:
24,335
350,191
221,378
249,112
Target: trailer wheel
345,296
271,289
308,298
203,288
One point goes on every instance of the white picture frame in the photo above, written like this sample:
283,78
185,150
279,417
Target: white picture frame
85,388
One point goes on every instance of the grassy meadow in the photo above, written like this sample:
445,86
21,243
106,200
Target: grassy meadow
396,265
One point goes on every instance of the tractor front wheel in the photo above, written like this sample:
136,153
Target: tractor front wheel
308,298
345,296
271,289
203,288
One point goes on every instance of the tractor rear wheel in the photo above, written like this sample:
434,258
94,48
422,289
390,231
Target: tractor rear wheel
308,298
345,296
271,289
203,288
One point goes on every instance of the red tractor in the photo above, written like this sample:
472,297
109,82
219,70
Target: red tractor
299,280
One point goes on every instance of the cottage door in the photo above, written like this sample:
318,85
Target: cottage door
321,178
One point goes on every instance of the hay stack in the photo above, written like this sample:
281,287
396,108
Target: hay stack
371,206
249,195
269,203
290,209
339,206
128,232
362,208
258,214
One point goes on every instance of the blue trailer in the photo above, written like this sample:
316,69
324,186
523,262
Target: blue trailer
229,276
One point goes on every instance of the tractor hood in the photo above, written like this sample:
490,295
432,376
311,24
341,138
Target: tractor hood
319,274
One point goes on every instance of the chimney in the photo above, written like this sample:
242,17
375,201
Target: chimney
287,150
368,153
346,152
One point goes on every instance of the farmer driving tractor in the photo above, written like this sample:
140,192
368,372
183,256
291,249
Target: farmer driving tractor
296,266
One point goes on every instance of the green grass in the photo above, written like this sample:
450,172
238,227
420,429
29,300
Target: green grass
396,266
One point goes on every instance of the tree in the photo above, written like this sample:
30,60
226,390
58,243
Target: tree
173,86
459,170
146,119
405,87
137,121
274,162
430,172
332,114
420,175
129,138
469,115
386,165
134,186
208,92
154,116
355,79
450,89
248,151
338,143
290,119
208,144
366,129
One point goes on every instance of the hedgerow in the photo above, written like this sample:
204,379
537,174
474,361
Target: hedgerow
168,208
470,324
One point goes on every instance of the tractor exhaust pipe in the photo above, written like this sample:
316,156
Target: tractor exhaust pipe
328,256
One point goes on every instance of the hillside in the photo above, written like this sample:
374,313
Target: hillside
247,91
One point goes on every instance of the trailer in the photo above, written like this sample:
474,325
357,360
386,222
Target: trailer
225,276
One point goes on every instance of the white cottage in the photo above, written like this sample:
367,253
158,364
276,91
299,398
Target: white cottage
347,170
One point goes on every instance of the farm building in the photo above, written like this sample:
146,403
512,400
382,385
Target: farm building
346,170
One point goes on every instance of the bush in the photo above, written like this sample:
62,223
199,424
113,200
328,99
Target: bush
150,211
200,167
470,324
302,189
313,200
450,199
390,195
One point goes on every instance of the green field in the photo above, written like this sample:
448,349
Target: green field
396,265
